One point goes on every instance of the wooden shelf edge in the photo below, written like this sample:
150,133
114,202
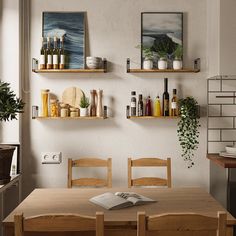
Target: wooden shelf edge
224,162
153,117
163,71
70,118
71,71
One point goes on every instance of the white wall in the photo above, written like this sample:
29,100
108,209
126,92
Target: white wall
9,60
113,32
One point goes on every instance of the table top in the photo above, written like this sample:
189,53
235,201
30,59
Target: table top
169,200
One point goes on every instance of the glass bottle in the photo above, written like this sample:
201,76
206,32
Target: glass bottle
55,53
174,106
157,107
140,105
148,110
45,101
62,53
133,104
49,54
92,103
165,100
99,103
42,63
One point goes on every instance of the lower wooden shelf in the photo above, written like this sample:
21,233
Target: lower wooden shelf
224,162
70,118
152,117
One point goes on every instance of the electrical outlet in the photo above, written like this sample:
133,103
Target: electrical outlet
51,157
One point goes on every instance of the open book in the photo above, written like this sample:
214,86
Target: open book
118,200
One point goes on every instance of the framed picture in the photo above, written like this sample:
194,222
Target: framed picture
162,32
70,25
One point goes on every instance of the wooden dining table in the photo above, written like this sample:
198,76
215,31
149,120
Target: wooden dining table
118,222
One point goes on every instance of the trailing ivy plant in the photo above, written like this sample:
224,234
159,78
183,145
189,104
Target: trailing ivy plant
188,128
10,105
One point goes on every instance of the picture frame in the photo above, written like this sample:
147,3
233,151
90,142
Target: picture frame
161,28
71,25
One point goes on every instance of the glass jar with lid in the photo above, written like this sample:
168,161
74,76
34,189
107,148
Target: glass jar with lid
44,101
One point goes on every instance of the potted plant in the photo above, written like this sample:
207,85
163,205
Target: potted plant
10,106
162,62
148,57
84,104
178,61
188,128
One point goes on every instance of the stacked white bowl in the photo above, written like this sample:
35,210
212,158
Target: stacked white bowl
93,62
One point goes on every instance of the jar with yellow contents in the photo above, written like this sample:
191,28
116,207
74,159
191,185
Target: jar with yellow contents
53,108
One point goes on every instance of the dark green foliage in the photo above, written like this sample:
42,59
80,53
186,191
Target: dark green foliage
84,102
188,128
10,105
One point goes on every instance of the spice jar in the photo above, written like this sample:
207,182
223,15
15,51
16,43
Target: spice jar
74,112
45,100
64,110
53,108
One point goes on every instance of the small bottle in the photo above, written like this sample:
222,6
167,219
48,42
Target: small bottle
42,63
62,53
157,107
133,104
104,112
55,53
165,101
49,54
174,106
140,105
148,110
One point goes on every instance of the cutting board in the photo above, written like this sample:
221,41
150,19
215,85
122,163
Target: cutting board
72,96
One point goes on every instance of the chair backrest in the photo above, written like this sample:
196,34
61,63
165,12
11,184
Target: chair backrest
182,224
149,181
59,222
86,182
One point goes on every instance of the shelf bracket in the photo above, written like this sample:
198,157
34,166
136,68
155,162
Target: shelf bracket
104,65
197,64
128,65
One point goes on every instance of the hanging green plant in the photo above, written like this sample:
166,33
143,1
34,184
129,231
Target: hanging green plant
10,105
188,128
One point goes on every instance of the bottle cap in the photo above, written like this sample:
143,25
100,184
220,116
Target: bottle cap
133,93
174,91
140,96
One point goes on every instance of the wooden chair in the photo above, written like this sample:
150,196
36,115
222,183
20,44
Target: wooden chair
182,224
86,182
149,181
59,223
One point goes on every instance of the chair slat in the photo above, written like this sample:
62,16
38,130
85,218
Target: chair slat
89,182
89,162
148,162
149,181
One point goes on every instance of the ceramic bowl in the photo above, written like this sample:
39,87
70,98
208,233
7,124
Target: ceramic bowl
230,150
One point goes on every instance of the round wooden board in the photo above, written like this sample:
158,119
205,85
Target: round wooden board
72,96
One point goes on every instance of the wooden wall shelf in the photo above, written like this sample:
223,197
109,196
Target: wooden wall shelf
70,118
195,69
35,69
152,117
224,162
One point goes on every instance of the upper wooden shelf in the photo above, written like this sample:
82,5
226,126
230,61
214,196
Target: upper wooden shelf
152,117
35,69
224,162
70,118
195,69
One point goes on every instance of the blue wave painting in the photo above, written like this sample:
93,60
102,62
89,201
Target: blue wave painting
71,26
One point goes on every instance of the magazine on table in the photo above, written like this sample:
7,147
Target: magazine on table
119,200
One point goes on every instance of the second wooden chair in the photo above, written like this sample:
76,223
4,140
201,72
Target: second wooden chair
149,181
90,182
